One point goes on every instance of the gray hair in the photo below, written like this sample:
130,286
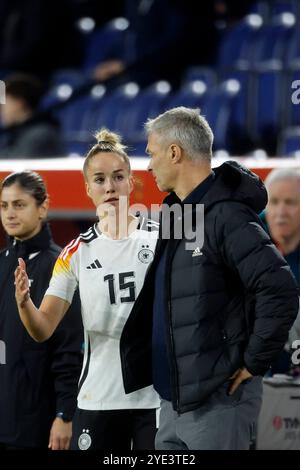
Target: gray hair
186,128
282,174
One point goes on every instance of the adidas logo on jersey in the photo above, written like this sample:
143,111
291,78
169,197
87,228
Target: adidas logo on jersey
197,252
95,265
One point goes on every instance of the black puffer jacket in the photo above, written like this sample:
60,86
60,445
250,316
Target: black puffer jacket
233,305
37,380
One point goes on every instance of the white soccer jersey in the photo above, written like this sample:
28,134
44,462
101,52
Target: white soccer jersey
110,275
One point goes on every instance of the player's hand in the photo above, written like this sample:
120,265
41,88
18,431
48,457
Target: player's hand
22,293
238,377
60,435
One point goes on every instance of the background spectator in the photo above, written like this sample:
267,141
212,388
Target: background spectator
160,41
283,214
38,381
26,133
36,36
283,219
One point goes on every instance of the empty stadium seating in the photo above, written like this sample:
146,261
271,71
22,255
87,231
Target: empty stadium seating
246,97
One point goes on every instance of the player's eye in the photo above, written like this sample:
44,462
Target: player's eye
19,205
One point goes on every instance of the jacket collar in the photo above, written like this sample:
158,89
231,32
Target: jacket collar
232,182
40,241
195,196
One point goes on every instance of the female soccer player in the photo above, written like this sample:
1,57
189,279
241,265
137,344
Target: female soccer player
108,263
38,381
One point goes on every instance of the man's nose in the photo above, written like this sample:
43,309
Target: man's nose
281,209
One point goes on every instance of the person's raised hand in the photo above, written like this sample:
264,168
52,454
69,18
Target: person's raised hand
22,292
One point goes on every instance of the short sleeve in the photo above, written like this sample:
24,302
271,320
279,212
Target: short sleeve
64,282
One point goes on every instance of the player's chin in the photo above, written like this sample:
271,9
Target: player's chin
159,185
163,188
13,232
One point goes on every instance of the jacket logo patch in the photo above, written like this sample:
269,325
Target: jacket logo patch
33,255
197,252
95,265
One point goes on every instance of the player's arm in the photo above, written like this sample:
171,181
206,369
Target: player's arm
39,322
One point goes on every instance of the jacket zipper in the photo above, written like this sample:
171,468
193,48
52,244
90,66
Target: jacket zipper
173,359
173,364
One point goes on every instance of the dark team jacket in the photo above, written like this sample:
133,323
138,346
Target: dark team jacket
37,380
229,303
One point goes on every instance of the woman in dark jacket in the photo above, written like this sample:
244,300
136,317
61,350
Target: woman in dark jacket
38,381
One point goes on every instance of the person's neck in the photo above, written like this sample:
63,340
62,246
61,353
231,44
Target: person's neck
118,227
191,175
37,230
288,245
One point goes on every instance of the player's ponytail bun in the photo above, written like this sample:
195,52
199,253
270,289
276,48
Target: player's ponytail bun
107,142
105,136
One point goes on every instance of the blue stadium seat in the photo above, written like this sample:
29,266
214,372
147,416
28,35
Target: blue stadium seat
126,109
191,95
204,74
110,112
237,43
150,102
104,43
63,83
77,121
73,77
292,60
292,107
56,95
218,110
272,43
241,111
261,8
268,106
285,6
289,142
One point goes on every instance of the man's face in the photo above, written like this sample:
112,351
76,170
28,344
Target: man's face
11,111
160,163
283,209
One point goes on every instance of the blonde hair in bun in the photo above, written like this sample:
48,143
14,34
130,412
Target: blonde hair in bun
108,142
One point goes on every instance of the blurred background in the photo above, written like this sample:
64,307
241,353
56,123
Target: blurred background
73,66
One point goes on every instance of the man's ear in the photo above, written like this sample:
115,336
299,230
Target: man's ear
176,153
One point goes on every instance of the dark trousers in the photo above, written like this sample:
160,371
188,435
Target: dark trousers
4,447
114,430
222,422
